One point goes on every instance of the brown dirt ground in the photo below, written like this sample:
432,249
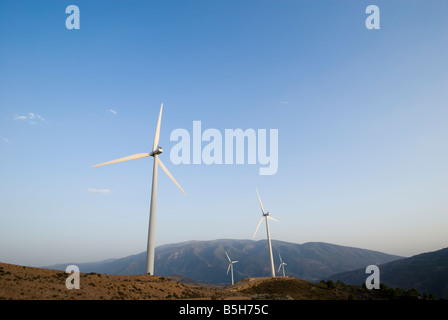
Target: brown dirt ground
29,283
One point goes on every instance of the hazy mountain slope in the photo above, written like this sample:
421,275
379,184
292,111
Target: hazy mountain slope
205,261
426,272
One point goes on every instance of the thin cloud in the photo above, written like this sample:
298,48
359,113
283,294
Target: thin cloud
98,191
112,111
6,140
31,117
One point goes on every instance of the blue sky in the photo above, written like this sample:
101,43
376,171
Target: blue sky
361,116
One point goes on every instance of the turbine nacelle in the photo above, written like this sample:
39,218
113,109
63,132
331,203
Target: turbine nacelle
158,150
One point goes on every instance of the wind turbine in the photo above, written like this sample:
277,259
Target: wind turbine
265,215
282,265
230,267
156,150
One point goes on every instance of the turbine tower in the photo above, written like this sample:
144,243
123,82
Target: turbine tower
156,151
282,265
230,267
265,215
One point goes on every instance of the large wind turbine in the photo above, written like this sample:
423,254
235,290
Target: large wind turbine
265,215
156,150
282,265
230,267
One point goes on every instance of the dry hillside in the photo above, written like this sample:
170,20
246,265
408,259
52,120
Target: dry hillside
19,282
28,283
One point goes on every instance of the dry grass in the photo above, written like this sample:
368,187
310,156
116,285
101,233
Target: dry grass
28,283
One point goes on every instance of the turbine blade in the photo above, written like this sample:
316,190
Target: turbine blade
272,219
156,137
228,268
169,175
279,268
259,199
280,257
257,227
235,261
132,157
228,257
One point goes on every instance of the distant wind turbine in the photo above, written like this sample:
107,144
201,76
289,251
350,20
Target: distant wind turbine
265,215
230,267
282,265
156,150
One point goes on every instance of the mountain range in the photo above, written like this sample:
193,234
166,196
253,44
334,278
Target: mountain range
206,262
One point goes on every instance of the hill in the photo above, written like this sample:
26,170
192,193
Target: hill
426,272
205,261
296,289
29,283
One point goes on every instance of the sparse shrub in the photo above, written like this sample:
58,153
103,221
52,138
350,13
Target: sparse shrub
413,292
122,295
330,284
